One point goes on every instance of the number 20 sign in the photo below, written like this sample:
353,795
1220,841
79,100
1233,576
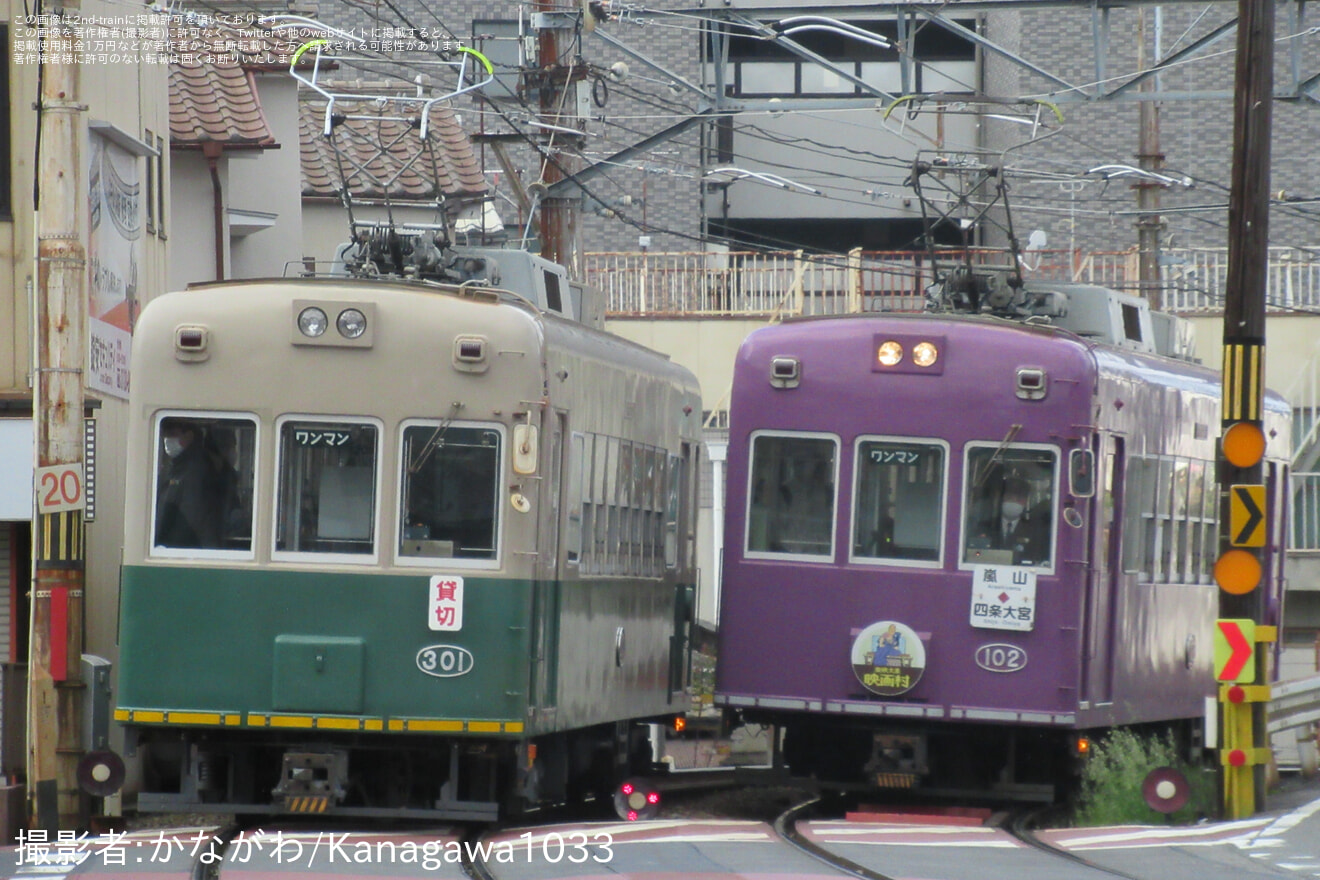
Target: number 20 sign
59,487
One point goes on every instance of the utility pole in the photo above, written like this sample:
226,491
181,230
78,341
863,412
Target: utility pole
1149,158
1244,749
54,665
557,86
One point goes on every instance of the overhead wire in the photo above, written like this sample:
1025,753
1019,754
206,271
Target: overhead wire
657,101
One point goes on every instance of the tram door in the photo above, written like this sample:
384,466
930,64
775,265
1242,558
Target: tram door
1104,573
546,603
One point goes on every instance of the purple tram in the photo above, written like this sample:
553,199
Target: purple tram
956,546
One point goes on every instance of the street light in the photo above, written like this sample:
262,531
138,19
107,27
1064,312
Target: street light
733,173
1109,172
799,23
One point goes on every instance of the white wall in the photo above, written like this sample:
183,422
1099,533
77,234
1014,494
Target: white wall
16,459
269,181
192,229
1292,343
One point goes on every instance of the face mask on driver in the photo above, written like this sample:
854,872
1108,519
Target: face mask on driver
173,446
1012,509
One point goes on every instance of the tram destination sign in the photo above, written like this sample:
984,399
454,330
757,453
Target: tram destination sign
1003,597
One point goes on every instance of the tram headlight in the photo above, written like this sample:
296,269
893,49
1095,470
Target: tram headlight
351,323
889,353
312,322
924,354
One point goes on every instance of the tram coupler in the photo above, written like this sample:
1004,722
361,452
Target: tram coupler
311,782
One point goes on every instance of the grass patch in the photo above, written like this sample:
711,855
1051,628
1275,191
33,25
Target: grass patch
1110,792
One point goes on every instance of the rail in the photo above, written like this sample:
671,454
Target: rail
722,283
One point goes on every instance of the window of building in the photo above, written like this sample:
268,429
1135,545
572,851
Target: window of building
791,497
941,61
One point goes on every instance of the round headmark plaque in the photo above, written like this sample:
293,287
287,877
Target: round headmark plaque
888,658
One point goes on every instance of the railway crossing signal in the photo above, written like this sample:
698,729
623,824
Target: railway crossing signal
1245,742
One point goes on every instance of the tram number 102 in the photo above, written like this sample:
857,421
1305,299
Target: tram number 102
1001,658
59,487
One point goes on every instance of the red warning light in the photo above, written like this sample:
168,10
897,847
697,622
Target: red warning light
1237,758
636,800
1236,694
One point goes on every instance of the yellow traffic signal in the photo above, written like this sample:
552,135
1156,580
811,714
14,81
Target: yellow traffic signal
1244,444
1237,572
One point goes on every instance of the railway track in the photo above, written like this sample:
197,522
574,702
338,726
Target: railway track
786,827
1017,824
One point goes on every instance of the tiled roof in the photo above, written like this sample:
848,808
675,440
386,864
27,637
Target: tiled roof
215,102
213,96
386,157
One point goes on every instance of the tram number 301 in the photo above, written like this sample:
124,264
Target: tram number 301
445,661
1001,658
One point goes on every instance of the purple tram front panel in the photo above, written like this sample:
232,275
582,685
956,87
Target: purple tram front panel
924,519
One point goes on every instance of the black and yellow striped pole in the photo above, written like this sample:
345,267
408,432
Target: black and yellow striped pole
1243,510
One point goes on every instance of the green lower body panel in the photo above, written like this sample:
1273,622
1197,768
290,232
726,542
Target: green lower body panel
201,643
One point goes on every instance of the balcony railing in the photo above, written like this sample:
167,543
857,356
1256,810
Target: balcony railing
784,283
1305,512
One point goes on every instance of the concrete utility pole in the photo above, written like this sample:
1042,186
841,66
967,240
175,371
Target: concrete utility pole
1244,749
557,85
54,665
1149,158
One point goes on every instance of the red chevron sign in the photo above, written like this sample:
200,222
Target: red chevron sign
1235,658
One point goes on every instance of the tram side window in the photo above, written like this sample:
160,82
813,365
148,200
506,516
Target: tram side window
673,509
327,488
1171,526
1209,525
205,472
1010,509
577,496
899,503
792,495
1175,567
1138,489
450,497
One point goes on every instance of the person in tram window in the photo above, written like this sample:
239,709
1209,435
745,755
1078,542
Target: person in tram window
1019,528
190,491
